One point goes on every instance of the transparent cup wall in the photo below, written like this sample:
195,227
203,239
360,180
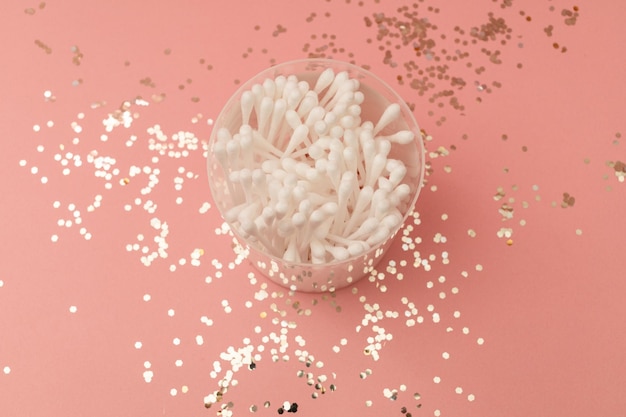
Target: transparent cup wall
337,274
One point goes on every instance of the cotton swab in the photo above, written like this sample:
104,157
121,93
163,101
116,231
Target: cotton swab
391,113
307,104
344,192
265,111
366,228
324,80
278,114
249,228
403,137
269,88
247,104
298,137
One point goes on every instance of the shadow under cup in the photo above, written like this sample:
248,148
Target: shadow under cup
336,274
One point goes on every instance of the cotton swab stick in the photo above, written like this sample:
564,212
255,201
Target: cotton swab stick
324,80
258,93
366,228
249,228
292,118
380,235
363,200
375,169
340,78
297,138
277,120
344,192
263,147
269,88
280,82
265,111
318,252
403,137
391,113
247,104
232,150
338,253
307,104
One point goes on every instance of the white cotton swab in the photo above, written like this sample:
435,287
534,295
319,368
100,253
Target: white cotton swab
268,215
397,172
338,253
232,213
297,138
403,137
307,104
258,93
265,111
340,78
292,118
245,178
383,146
294,97
363,200
324,80
344,192
269,87
381,209
399,194
249,228
316,113
391,113
280,82
366,228
232,150
277,119
318,252
375,169
330,211
378,236
291,253
247,104
251,211
393,219
264,148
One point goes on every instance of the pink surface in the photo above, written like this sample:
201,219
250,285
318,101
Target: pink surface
476,325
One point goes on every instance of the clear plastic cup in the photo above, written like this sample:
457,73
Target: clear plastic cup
306,275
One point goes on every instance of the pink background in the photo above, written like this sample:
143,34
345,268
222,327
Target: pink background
476,326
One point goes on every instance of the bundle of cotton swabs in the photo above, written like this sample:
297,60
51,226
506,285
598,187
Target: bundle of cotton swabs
310,181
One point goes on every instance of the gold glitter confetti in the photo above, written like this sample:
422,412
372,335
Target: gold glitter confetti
77,55
43,46
147,81
568,200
